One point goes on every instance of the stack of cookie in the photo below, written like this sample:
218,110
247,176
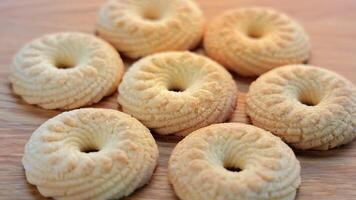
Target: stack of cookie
93,153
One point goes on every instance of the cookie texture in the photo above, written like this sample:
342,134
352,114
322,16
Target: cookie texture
177,92
239,114
90,154
141,27
251,41
233,161
66,70
308,107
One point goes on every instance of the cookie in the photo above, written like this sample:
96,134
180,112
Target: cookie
90,154
233,161
239,114
308,107
251,41
177,92
138,28
65,71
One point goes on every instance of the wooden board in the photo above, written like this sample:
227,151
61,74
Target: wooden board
332,28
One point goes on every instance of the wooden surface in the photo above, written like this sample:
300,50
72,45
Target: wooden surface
332,28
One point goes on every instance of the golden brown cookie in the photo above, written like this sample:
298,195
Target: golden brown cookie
177,92
251,41
66,70
308,107
141,27
90,154
233,161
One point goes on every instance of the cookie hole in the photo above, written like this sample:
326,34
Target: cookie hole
177,86
176,89
90,150
255,31
64,65
232,169
62,61
254,35
308,103
310,97
152,14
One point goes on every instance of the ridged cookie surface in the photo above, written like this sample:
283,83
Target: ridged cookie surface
251,41
66,70
205,165
177,92
239,115
308,107
90,154
141,27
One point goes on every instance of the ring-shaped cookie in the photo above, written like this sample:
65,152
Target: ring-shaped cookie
66,70
233,161
308,107
138,28
251,41
177,92
90,154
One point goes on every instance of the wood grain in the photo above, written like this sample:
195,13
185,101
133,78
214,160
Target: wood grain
330,24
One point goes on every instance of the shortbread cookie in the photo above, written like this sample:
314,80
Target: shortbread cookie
66,70
141,27
177,92
233,161
251,41
308,107
239,114
90,154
